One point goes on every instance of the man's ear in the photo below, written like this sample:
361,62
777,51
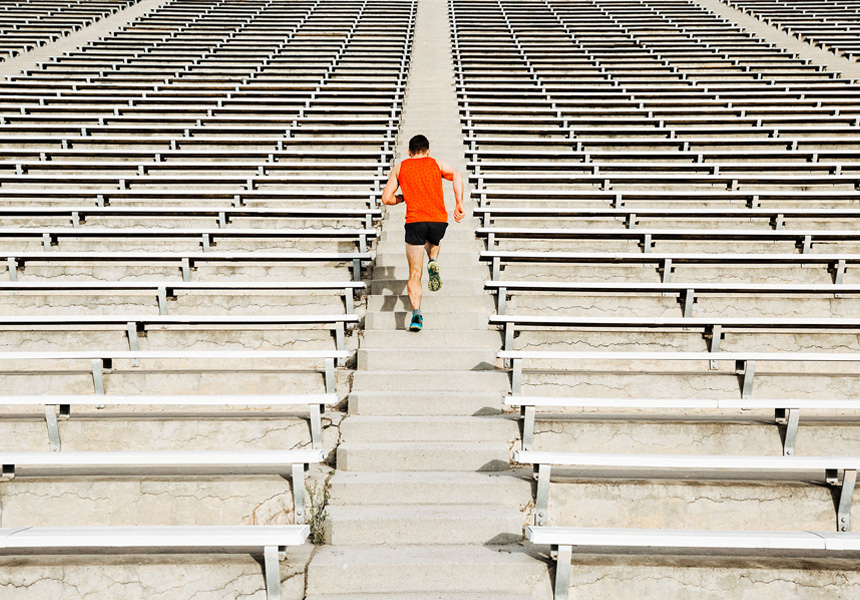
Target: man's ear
409,152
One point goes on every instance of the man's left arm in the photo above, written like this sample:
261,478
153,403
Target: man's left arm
453,175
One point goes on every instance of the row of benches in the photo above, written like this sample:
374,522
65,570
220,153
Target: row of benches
258,112
26,25
621,120
831,24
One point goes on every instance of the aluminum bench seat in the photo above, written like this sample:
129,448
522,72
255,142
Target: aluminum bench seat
186,260
712,327
787,411
51,236
696,467
773,218
99,360
804,239
222,216
516,169
221,198
136,324
746,360
241,181
267,164
521,198
60,406
163,290
684,143
755,544
686,292
267,540
664,262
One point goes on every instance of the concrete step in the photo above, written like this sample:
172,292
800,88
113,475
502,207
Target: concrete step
400,270
424,596
453,318
425,403
385,284
461,359
147,501
428,428
387,255
456,338
423,456
434,487
415,570
458,381
441,300
423,524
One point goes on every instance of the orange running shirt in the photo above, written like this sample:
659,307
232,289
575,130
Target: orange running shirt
420,181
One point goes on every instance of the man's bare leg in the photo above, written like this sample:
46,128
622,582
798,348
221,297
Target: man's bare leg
432,250
415,258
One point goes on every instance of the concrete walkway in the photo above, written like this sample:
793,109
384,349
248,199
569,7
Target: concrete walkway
423,502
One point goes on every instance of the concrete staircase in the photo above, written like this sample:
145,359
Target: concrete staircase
424,504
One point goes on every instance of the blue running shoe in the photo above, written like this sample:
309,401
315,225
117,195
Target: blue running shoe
417,323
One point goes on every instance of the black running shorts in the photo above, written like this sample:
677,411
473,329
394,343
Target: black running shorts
426,231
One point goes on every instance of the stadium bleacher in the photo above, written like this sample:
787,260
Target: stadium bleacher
632,161
834,25
203,314
200,189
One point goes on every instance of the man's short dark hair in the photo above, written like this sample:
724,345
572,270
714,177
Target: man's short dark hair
419,144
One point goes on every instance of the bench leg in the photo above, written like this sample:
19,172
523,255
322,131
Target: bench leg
562,572
749,373
517,377
53,426
542,495
329,376
791,431
316,426
843,516
271,566
299,493
528,413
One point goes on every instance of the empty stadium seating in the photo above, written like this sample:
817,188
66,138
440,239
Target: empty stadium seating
190,207
833,25
635,164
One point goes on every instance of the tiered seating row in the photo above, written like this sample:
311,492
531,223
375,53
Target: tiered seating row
831,24
25,25
631,157
237,143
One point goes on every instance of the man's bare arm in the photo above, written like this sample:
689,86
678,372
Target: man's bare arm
388,194
453,175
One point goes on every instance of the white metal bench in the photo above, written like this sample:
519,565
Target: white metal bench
748,543
88,464
268,540
696,467
686,293
664,261
746,360
101,359
60,406
186,260
786,410
713,328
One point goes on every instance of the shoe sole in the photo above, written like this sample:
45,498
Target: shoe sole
435,282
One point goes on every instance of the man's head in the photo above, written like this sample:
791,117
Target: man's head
419,145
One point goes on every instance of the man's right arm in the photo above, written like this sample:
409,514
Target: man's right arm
388,194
